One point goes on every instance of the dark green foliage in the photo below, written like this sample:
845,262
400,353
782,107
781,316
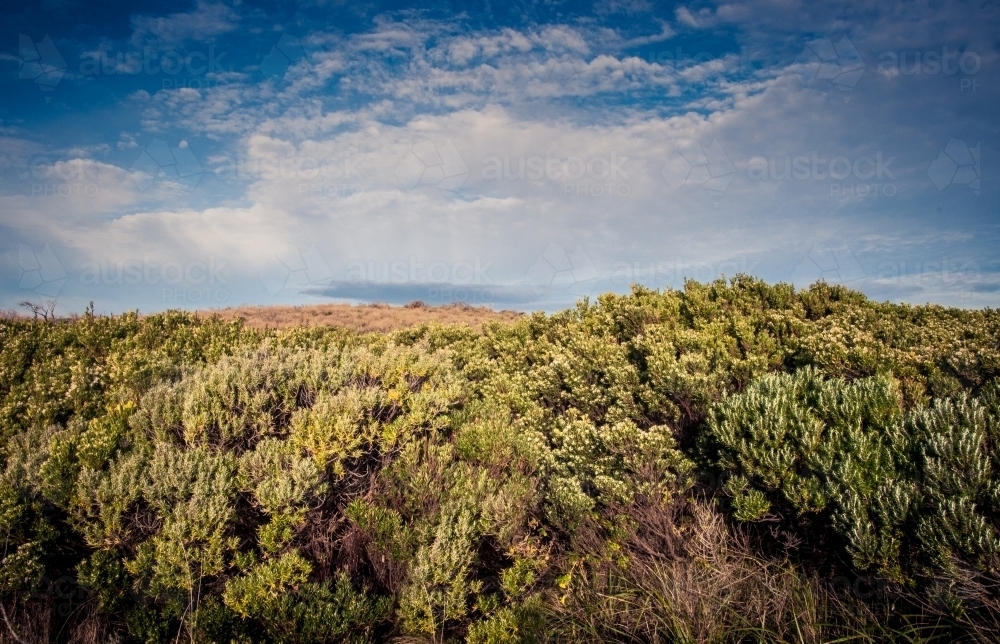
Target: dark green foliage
542,481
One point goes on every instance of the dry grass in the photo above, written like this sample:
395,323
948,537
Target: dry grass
365,318
21,624
711,590
41,621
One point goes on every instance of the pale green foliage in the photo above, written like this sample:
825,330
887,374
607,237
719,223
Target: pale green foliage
376,400
273,426
816,443
103,437
385,527
25,535
540,369
295,610
575,405
439,586
285,484
474,505
748,504
493,436
960,488
872,525
241,398
520,623
192,492
819,444
451,503
614,462
25,538
808,437
61,467
689,368
948,489
253,592
79,447
104,498
281,479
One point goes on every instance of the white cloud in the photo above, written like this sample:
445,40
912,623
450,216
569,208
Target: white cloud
702,19
205,21
298,169
126,141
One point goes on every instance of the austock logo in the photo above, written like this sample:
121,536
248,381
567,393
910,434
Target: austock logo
65,593
692,164
824,61
41,272
197,281
857,172
284,54
931,63
41,62
427,164
557,269
675,272
595,176
160,162
833,265
150,62
460,273
71,178
293,270
958,164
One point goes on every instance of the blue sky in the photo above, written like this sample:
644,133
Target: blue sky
518,154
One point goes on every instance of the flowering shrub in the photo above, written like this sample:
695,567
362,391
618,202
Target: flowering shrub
696,465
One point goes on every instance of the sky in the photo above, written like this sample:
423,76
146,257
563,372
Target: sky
519,155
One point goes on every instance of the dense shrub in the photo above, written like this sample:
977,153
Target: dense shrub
911,495
697,465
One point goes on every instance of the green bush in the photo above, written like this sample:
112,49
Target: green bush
543,480
912,495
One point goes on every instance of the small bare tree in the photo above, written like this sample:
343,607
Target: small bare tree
46,311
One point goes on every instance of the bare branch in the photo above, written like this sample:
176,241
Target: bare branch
46,311
10,628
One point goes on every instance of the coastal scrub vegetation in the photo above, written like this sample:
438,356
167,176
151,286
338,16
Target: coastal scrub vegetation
730,462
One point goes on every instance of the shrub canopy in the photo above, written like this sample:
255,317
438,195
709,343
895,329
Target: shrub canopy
193,478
